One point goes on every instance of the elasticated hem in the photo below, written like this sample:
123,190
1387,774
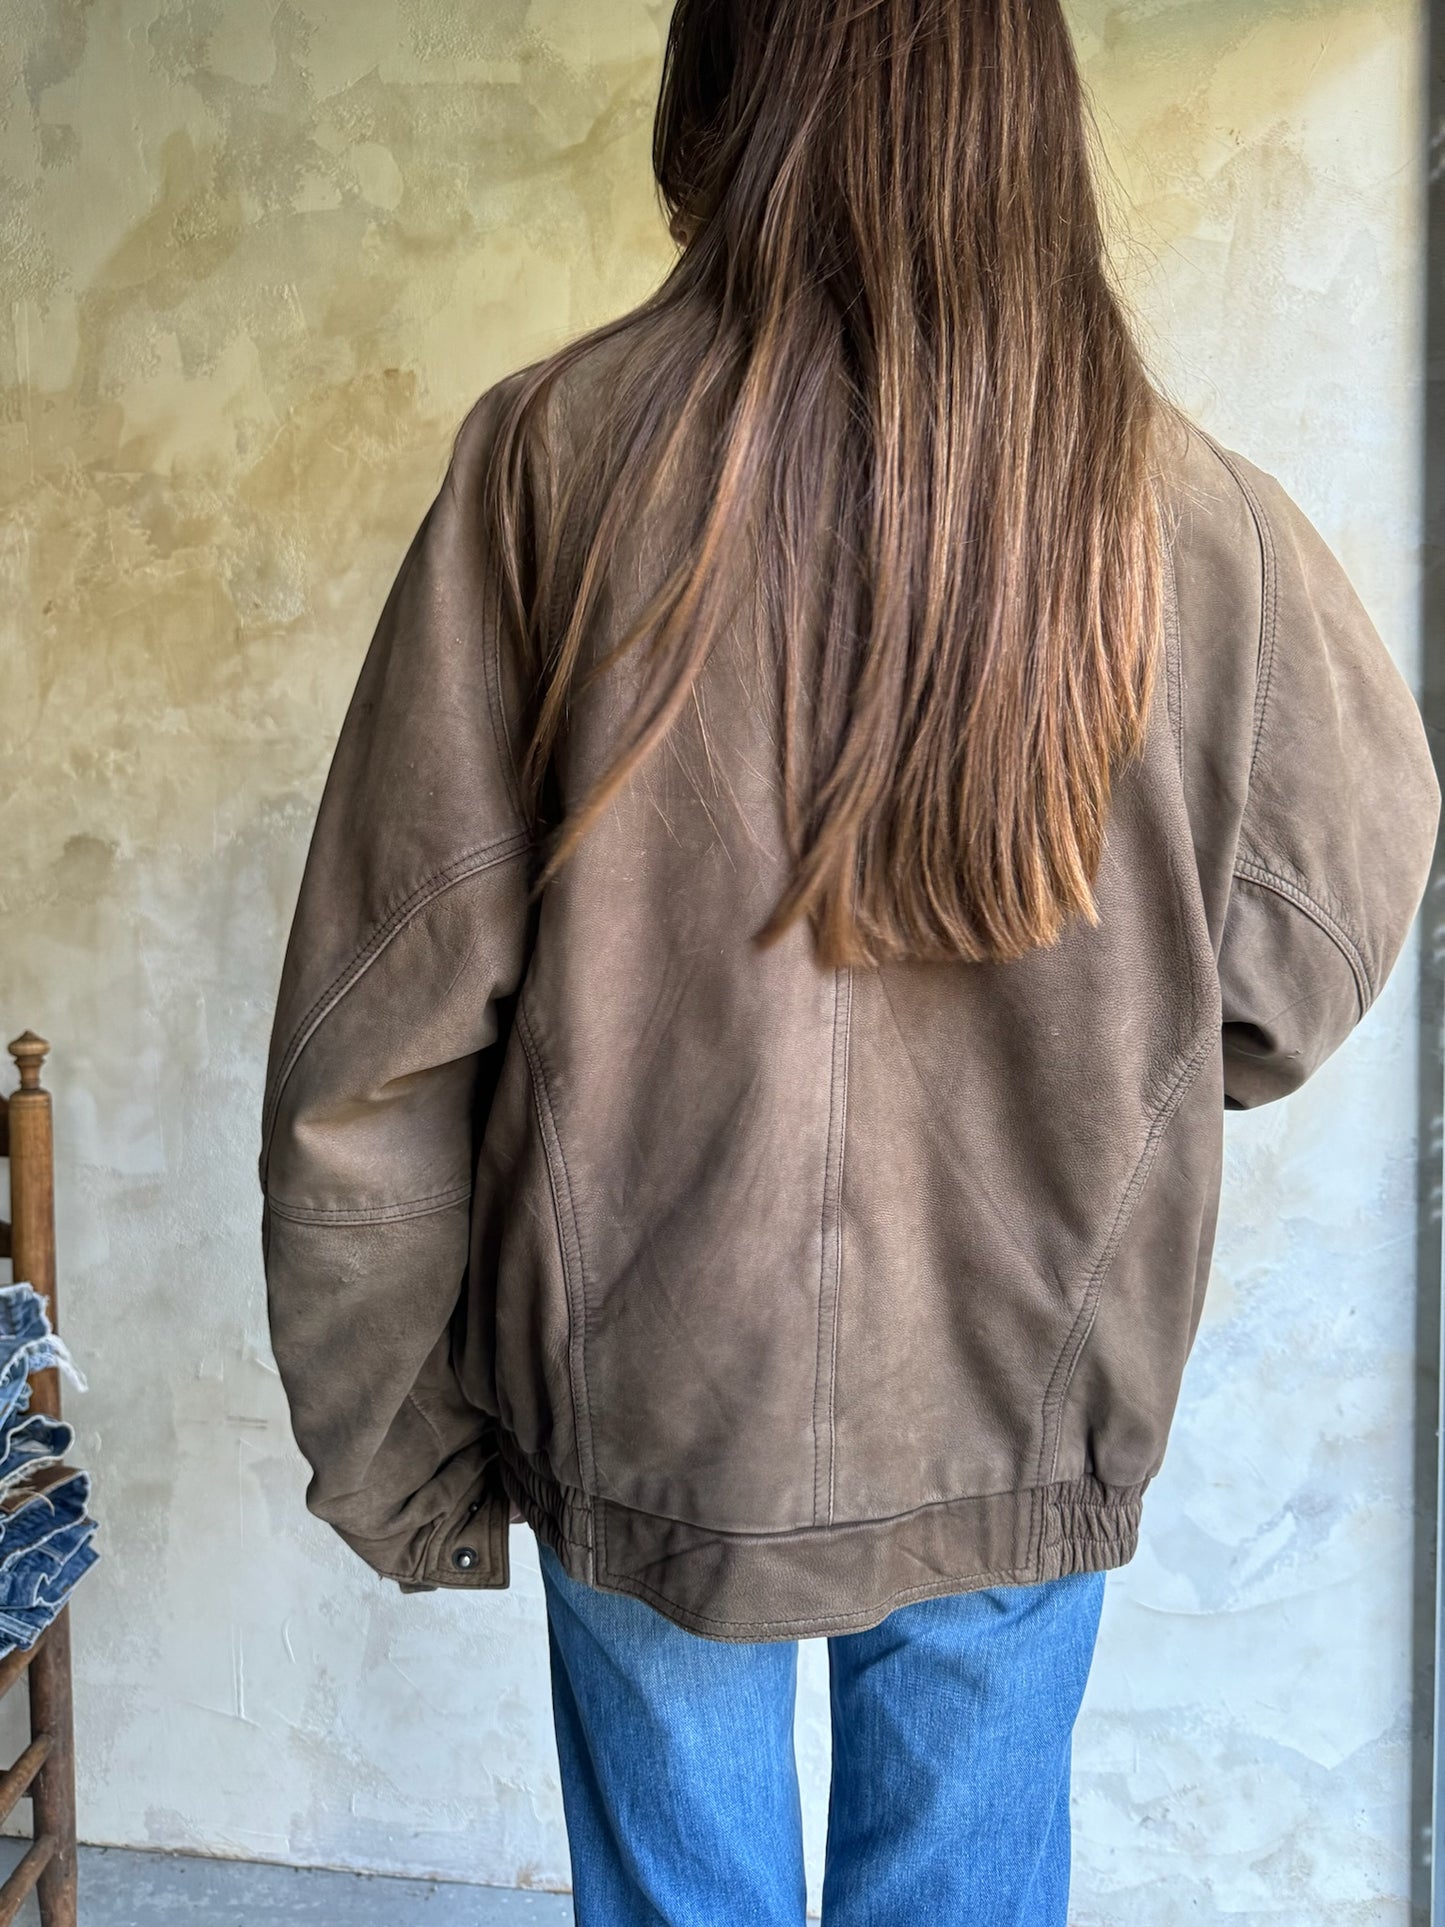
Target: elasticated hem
819,1580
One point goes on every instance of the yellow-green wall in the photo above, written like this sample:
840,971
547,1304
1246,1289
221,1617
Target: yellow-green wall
256,261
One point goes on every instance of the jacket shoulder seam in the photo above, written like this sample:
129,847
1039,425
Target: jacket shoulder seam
484,857
1269,594
498,396
1246,870
501,730
1173,629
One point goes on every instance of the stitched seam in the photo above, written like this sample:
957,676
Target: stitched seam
1061,1378
838,1234
1127,1495
1269,599
1250,872
826,1307
435,1578
377,1214
822,1268
576,1291
501,735
1037,1513
429,1422
471,864
485,857
1174,651
1270,637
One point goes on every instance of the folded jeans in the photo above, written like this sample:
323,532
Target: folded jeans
45,1532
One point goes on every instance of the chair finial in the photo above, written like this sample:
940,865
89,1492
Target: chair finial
29,1052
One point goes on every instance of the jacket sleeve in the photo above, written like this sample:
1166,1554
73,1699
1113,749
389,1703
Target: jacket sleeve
410,930
1339,823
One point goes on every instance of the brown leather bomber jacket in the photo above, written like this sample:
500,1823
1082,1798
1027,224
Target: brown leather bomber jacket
781,1296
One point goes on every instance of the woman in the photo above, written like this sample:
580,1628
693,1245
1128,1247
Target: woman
847,788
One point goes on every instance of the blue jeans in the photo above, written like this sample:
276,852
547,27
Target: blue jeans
45,1531
952,1737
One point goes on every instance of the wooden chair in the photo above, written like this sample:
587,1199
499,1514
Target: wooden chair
45,1770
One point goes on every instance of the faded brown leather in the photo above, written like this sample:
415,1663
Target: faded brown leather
773,1295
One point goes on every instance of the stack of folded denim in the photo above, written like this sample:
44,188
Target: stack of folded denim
45,1533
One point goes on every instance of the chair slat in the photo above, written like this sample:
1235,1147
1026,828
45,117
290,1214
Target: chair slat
15,1780
16,1663
17,1889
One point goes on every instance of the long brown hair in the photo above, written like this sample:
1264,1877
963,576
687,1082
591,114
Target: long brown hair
928,436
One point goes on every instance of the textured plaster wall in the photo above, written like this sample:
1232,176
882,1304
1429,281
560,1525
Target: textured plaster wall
256,260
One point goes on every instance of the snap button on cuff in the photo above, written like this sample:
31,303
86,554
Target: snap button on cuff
464,1558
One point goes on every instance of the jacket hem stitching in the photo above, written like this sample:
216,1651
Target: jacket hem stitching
1110,1528
1043,1491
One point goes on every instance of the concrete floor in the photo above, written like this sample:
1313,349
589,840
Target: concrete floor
122,1888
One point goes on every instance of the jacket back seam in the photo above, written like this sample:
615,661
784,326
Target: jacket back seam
830,1258
569,1241
485,857
838,1233
1057,1392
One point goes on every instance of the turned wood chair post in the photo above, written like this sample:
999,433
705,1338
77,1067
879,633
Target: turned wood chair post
32,1252
32,1196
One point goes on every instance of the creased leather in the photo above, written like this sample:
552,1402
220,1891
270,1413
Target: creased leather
778,1296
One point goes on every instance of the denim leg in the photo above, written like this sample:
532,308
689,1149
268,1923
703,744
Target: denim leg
952,1744
678,1777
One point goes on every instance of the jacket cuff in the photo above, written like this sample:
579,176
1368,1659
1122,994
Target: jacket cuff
469,1550
466,1549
